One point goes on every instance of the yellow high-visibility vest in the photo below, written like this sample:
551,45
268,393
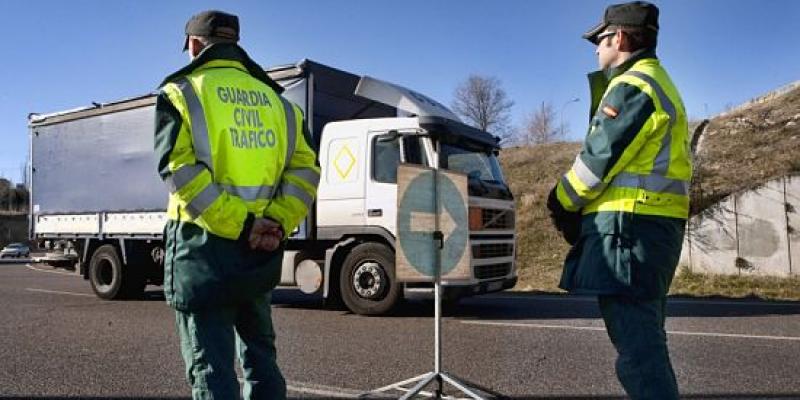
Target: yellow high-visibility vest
237,152
652,175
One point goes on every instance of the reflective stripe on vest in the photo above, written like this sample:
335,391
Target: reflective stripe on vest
182,176
289,189
250,193
586,175
202,149
656,180
576,200
291,129
306,174
203,200
652,182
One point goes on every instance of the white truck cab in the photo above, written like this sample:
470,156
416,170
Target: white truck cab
356,210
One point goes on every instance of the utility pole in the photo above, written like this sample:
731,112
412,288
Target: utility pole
561,114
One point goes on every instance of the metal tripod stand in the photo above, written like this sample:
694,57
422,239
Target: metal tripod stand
437,375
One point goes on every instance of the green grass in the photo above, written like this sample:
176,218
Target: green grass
735,286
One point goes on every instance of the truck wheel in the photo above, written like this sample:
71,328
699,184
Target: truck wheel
110,279
367,281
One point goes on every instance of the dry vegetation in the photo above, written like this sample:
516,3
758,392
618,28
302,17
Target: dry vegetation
532,172
736,286
739,150
747,147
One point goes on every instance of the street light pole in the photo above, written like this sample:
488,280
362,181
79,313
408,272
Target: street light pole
561,113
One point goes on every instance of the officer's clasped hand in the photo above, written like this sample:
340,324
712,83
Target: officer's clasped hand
567,223
266,235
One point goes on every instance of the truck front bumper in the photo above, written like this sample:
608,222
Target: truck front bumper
481,288
465,289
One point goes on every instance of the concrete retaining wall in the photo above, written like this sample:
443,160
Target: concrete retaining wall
755,232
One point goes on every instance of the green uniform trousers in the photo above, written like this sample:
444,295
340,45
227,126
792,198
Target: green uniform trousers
636,328
209,340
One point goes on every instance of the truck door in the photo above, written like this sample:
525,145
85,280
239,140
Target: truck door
387,151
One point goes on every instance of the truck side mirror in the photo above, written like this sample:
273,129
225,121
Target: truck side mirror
391,136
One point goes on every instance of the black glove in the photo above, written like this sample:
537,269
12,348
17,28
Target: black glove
567,223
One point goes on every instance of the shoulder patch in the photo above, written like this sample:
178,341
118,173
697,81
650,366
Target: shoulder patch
610,111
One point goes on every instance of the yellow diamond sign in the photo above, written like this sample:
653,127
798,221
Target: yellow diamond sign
344,162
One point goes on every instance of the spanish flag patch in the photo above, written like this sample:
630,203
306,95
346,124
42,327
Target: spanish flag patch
611,112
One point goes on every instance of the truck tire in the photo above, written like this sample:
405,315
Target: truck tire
367,282
110,279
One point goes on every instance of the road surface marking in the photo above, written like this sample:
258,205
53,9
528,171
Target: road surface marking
698,301
601,329
320,390
58,292
32,268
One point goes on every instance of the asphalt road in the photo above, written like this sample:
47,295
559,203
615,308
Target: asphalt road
59,341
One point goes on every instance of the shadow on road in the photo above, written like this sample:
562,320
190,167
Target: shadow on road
713,396
520,306
14,260
525,306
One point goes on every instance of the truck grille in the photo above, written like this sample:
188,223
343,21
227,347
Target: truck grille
497,219
492,270
492,250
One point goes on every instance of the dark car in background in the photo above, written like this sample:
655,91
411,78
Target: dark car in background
15,250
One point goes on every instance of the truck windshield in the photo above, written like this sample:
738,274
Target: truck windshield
476,164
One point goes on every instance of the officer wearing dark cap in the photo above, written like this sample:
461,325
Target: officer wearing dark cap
214,24
624,202
231,201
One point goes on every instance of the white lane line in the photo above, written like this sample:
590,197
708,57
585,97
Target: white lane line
734,335
698,301
601,329
58,292
32,268
539,326
317,390
320,390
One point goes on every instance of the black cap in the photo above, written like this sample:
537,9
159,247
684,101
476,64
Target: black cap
634,14
212,23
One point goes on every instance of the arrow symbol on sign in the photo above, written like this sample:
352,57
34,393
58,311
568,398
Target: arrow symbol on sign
424,222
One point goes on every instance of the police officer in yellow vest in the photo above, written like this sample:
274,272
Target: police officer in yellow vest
624,203
241,176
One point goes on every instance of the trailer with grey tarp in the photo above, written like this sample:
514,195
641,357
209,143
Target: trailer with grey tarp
96,193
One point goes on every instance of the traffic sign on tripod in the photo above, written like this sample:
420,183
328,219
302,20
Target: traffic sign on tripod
420,240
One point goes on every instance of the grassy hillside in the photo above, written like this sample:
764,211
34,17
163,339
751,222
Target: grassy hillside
532,172
747,147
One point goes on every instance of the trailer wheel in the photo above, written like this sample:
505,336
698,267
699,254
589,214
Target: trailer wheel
110,279
367,281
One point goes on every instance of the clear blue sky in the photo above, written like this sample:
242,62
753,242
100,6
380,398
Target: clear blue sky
64,54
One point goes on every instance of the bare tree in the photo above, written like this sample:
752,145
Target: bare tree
6,190
482,101
541,127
